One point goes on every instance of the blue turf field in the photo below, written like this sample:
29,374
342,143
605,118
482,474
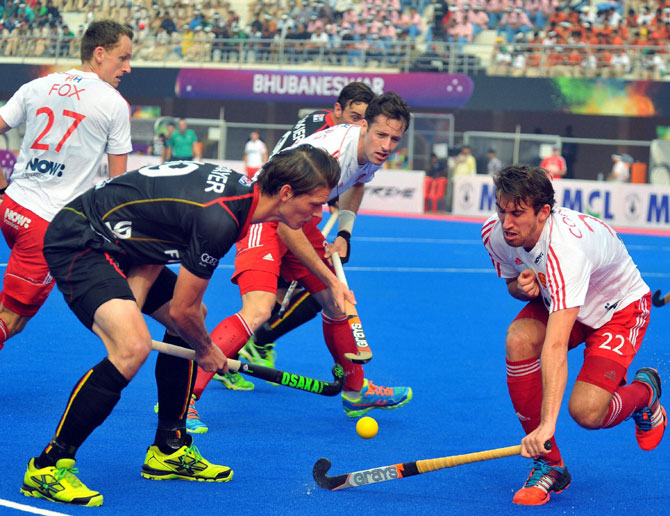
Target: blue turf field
435,314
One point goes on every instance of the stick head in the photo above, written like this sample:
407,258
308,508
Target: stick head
657,300
362,357
320,474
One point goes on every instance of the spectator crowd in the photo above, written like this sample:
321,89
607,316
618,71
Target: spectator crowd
566,37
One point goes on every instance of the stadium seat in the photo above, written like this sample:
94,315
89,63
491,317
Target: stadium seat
434,192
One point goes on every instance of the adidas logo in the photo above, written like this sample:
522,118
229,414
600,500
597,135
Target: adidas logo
268,257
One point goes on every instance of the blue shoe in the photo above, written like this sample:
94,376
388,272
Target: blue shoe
193,423
543,479
374,396
650,422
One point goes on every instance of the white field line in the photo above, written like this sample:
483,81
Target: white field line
28,508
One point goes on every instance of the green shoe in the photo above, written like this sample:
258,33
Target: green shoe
234,382
259,355
58,484
184,464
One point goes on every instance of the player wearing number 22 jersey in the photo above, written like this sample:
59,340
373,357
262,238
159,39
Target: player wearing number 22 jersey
581,286
71,120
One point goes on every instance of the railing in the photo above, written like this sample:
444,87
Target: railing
648,62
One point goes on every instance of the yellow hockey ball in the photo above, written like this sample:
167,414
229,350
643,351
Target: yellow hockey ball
367,427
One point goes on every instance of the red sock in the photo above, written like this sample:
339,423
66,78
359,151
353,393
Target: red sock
4,333
229,336
339,340
524,383
626,400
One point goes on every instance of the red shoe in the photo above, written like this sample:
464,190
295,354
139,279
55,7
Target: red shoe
651,421
543,479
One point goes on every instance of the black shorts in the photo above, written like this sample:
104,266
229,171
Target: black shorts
89,270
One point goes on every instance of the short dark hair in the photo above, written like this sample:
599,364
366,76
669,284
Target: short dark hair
523,183
304,168
355,92
389,104
103,33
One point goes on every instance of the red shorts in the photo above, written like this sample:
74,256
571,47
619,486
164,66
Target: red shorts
611,348
27,280
262,257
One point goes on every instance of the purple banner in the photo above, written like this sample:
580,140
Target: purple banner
418,89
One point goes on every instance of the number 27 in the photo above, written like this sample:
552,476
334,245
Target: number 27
78,118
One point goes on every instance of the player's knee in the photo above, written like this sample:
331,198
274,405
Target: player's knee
130,354
257,308
522,342
587,414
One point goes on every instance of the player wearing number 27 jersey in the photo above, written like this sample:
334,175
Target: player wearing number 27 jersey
581,286
71,120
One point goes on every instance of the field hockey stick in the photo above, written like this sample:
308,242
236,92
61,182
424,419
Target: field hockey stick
330,222
291,288
405,469
364,354
659,301
296,381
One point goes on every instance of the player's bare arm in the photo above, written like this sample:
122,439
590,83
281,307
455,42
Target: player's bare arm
118,164
189,320
524,287
3,126
554,359
300,246
350,201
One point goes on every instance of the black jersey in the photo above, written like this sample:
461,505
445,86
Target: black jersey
309,124
180,211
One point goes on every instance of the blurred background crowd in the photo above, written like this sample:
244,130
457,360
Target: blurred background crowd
517,37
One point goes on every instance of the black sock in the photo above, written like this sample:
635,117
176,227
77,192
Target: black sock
175,378
91,401
302,308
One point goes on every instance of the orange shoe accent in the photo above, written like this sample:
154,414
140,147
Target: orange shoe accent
530,496
543,479
650,439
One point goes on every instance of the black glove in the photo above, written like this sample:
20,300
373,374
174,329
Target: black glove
347,236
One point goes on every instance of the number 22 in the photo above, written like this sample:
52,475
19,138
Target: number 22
78,118
605,345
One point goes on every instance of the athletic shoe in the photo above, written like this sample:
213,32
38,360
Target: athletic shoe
374,396
650,422
543,479
193,423
259,355
184,464
234,382
59,484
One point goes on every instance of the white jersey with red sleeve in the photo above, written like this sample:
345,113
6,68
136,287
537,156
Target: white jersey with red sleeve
341,141
72,118
579,261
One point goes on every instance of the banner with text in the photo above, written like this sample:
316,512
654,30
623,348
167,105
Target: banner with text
418,89
397,191
618,204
